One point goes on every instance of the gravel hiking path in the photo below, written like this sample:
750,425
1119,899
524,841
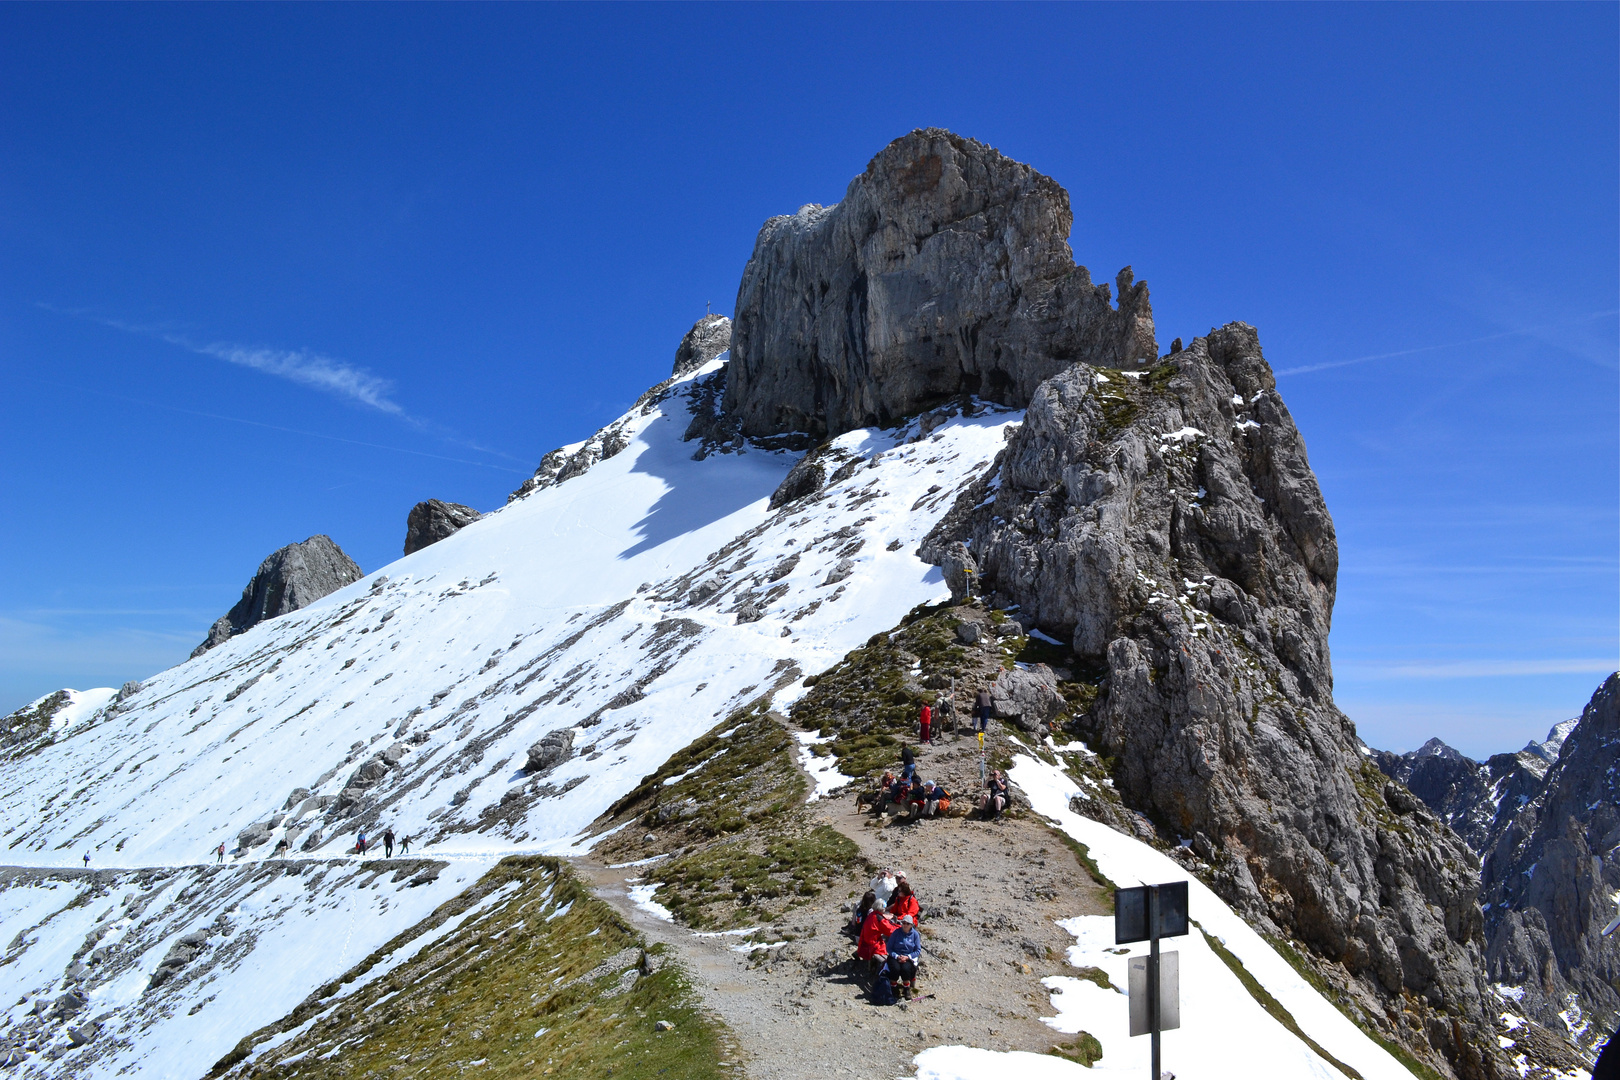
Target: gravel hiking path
991,893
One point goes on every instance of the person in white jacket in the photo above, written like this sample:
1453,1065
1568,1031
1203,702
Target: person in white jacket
883,886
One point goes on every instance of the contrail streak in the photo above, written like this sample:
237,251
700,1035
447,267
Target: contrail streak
1448,345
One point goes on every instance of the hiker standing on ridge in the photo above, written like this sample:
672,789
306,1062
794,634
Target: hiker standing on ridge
924,722
219,853
404,845
388,843
87,860
981,708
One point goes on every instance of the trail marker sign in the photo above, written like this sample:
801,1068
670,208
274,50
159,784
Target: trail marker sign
1148,913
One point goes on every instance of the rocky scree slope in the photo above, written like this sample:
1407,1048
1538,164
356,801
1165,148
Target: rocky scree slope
1165,522
291,578
1550,878
945,270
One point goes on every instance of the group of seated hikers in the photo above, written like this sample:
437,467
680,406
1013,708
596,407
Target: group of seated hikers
916,798
887,941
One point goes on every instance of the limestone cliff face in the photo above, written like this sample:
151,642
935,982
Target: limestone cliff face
1549,875
290,578
1165,520
945,270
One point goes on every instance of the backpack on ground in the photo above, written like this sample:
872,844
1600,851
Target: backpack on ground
882,990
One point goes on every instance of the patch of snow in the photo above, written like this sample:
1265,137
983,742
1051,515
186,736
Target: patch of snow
822,770
642,897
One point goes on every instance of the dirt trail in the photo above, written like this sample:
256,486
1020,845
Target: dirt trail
990,892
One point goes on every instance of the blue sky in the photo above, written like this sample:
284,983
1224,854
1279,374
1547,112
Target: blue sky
269,271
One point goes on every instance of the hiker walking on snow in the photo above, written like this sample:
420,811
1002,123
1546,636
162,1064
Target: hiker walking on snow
388,843
404,845
360,844
981,708
219,854
924,722
87,860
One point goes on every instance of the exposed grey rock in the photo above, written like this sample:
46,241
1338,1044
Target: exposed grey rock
297,796
1548,876
805,478
181,953
839,572
709,337
1168,524
432,521
968,633
960,568
292,577
945,271
253,836
127,691
551,751
1027,698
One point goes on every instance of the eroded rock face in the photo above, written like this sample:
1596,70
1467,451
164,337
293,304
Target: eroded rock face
433,520
1548,877
1477,799
551,751
1166,521
292,577
709,337
946,270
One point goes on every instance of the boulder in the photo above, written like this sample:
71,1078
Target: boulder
433,520
959,568
292,577
709,337
1027,697
945,271
551,751
253,836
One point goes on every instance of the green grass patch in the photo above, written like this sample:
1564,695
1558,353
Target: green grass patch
1096,975
1083,854
1083,1049
509,991
749,880
1271,1004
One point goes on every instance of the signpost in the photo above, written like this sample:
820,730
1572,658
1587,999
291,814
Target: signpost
1148,913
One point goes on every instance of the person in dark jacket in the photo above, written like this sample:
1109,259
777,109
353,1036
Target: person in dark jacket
868,902
905,952
935,799
405,845
908,764
994,799
981,708
388,843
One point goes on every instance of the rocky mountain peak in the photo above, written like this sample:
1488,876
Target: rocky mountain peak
1164,520
709,337
290,578
433,520
945,270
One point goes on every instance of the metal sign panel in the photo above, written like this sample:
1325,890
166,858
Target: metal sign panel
1169,912
1169,992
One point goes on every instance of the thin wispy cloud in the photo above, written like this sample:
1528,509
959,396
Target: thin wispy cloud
305,368
1474,669
1529,331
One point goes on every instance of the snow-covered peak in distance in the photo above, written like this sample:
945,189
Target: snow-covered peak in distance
636,603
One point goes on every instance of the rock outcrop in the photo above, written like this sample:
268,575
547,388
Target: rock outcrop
432,521
1548,880
945,271
292,577
709,337
1165,520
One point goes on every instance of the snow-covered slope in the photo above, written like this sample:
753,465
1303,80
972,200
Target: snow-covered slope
573,607
633,604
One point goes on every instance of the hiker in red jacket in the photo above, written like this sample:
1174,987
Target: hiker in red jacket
925,721
873,946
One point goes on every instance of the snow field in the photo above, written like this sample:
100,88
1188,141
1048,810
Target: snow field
272,938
